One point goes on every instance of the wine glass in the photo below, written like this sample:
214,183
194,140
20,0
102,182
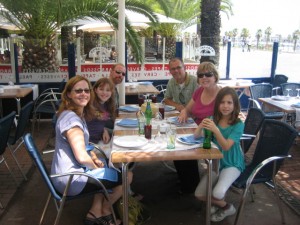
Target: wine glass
288,92
298,94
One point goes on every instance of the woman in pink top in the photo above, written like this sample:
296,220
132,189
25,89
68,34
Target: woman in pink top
199,107
202,103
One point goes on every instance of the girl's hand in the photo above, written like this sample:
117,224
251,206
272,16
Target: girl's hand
209,125
105,137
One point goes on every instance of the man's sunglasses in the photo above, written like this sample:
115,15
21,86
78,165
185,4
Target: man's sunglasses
120,72
208,74
80,91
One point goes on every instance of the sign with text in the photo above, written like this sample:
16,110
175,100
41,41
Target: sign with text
153,71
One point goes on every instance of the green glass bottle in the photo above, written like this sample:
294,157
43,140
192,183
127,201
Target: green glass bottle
148,117
207,139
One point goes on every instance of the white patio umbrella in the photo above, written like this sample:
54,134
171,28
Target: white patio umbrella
101,27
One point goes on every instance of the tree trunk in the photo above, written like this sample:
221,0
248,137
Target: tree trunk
66,37
39,56
210,28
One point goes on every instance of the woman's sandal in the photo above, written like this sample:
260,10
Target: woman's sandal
102,220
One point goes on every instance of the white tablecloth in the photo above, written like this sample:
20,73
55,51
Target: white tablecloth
35,88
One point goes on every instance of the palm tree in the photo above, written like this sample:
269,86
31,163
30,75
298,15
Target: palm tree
40,19
210,27
296,36
258,36
234,34
268,33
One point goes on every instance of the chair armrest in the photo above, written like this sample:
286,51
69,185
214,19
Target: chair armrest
256,103
72,174
102,153
262,164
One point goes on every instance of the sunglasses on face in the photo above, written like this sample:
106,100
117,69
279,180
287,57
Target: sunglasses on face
208,74
80,91
120,72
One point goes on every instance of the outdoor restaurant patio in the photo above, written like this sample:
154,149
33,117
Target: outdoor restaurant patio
23,205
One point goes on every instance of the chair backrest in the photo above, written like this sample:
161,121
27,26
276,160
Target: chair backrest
260,91
5,126
293,86
279,79
37,159
253,122
276,139
24,116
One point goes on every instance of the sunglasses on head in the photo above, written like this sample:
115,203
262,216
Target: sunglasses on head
120,72
208,74
80,91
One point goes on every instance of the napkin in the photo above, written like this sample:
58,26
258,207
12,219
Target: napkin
191,139
296,105
128,122
168,108
128,108
174,120
104,173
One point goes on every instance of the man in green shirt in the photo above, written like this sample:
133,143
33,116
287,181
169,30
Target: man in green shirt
181,87
179,92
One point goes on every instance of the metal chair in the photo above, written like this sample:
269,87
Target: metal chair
5,126
162,89
59,199
278,80
293,89
17,138
275,141
47,103
253,122
263,91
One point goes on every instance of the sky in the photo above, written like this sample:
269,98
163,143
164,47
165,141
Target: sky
283,16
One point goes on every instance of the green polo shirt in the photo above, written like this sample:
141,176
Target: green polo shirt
181,95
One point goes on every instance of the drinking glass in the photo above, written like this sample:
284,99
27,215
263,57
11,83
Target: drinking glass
141,99
171,136
161,109
288,92
154,98
298,94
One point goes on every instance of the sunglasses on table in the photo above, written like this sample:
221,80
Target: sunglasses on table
80,91
208,74
120,72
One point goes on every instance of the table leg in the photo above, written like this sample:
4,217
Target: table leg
125,192
18,110
208,196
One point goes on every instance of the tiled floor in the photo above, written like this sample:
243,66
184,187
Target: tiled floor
23,205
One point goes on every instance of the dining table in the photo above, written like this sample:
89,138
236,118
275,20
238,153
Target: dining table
129,146
17,92
136,88
240,85
285,104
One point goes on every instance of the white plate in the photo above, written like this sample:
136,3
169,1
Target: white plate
130,141
169,108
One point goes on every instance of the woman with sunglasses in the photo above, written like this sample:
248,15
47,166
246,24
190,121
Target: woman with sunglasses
70,154
202,103
199,107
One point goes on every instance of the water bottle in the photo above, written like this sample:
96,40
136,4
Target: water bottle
148,118
141,122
